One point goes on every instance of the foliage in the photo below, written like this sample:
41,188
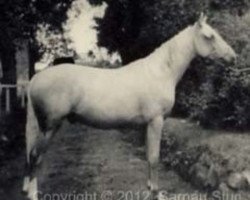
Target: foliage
135,28
21,17
206,158
19,20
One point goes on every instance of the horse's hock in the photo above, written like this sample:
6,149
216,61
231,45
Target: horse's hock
208,159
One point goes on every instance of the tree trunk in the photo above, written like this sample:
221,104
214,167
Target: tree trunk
32,59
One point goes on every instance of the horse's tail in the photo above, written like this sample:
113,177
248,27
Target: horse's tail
33,135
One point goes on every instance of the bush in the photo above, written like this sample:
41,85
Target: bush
210,160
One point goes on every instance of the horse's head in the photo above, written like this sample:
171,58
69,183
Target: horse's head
209,43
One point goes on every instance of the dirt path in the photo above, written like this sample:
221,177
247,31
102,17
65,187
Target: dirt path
90,164
84,161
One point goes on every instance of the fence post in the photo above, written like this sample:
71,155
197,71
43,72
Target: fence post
7,100
23,96
8,87
1,89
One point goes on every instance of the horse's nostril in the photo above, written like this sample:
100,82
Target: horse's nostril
233,60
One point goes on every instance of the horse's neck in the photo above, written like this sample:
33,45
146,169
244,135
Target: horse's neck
173,57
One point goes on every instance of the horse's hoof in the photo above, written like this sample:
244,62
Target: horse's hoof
158,195
152,187
25,188
162,195
24,192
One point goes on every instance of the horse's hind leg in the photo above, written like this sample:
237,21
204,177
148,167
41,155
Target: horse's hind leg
33,141
37,144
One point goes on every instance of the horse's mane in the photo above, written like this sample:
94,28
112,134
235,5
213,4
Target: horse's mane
178,44
175,54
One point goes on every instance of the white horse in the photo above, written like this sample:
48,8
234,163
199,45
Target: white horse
141,93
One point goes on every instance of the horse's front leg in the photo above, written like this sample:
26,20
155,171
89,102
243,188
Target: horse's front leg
154,133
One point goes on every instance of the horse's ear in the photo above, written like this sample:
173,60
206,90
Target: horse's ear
202,19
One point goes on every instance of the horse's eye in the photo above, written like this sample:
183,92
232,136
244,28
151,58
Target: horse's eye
209,37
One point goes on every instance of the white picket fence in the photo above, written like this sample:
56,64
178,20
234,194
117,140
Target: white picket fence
5,90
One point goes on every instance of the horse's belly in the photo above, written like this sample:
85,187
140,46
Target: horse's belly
110,115
107,121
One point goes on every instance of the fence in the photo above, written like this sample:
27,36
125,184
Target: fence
6,89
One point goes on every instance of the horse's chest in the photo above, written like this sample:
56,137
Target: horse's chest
158,105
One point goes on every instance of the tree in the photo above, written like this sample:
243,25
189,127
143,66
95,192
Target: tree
18,21
135,28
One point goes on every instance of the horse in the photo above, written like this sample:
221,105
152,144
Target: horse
140,93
